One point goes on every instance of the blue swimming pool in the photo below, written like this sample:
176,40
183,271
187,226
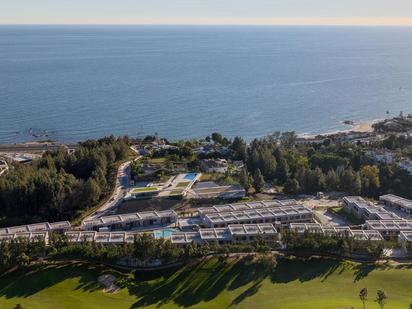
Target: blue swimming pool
165,233
190,176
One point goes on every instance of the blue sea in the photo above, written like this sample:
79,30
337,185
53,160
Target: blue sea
72,83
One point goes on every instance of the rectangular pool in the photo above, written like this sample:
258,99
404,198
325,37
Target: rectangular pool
190,176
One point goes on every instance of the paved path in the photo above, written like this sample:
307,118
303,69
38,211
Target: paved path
122,187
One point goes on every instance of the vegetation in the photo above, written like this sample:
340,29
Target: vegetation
59,186
331,166
319,243
212,283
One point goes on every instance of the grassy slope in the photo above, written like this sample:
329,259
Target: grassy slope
294,284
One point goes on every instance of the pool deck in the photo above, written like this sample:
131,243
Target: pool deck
177,185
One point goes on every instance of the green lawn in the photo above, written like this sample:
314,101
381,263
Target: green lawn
182,184
315,284
145,189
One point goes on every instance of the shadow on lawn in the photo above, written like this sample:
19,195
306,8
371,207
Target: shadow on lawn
25,282
203,282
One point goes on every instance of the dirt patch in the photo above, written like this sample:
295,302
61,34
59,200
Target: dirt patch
107,281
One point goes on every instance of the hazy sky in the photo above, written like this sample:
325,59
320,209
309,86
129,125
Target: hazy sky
206,11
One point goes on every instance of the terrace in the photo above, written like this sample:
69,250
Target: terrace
37,227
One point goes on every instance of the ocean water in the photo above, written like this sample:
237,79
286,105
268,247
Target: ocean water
76,82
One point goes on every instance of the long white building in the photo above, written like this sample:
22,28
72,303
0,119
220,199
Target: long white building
132,220
337,231
277,212
390,229
397,202
237,233
105,238
362,209
58,227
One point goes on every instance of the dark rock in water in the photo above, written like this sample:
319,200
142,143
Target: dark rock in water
348,122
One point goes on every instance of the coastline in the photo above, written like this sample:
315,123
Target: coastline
360,127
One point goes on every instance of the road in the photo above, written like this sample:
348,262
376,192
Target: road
122,187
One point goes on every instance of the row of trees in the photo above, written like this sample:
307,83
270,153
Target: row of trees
313,243
331,166
60,185
145,249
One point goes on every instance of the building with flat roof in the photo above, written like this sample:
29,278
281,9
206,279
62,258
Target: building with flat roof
132,220
203,211
105,238
362,209
29,236
405,239
236,233
58,227
214,166
397,202
336,231
390,229
277,215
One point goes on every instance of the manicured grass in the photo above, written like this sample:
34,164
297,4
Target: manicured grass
144,189
319,284
176,192
182,184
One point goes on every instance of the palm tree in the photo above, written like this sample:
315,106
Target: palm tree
381,298
363,296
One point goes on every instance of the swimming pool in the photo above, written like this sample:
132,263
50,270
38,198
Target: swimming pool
190,176
165,233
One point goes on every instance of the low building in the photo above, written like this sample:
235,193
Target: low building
360,235
214,166
31,237
278,215
105,238
389,229
364,210
132,220
397,202
228,235
245,206
58,227
405,239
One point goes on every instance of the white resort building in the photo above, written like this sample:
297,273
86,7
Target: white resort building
397,202
362,209
237,233
132,220
58,227
257,212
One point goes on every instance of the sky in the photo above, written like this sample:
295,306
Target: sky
283,12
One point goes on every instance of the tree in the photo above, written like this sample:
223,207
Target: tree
370,180
363,296
217,138
332,181
258,181
239,149
282,171
244,179
268,164
291,186
381,298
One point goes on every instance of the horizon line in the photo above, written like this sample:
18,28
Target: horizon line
210,24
